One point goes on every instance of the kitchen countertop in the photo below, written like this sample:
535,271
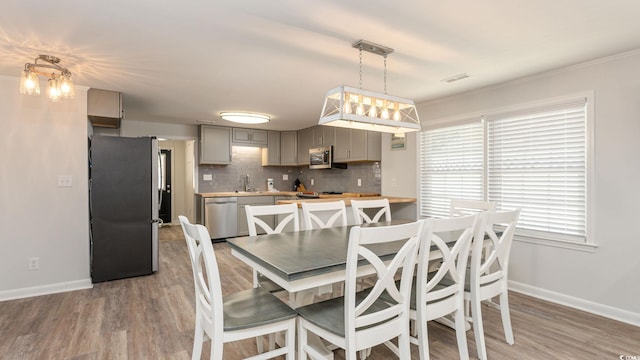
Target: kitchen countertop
247,193
347,199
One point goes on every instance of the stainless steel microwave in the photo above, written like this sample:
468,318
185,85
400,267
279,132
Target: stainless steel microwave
322,158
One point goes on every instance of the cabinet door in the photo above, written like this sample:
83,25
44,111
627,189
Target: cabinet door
259,137
342,145
250,137
305,142
272,151
358,147
215,145
288,148
243,227
323,135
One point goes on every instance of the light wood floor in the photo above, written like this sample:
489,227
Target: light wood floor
152,317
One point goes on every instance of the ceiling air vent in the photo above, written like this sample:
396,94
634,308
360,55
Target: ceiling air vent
456,77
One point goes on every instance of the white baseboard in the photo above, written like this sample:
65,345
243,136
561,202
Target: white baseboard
45,289
577,303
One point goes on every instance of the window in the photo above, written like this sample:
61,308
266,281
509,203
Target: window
534,158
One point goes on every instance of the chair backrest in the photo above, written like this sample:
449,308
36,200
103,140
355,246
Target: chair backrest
387,321
452,237
206,277
461,207
491,251
361,216
284,215
314,214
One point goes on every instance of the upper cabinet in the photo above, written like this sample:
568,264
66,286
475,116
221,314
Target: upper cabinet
305,142
289,148
215,145
282,149
357,145
250,137
323,135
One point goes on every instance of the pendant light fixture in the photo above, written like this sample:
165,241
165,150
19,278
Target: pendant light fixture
356,108
59,86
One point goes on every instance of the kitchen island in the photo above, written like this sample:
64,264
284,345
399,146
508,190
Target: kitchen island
223,213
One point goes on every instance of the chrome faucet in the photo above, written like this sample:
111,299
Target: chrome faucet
246,183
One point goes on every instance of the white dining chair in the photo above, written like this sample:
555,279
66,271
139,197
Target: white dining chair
360,320
324,214
488,273
285,216
242,315
363,208
441,293
461,207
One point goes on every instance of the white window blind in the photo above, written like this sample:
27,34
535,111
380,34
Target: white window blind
536,160
451,166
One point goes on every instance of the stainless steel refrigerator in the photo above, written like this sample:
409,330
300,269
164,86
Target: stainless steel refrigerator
123,202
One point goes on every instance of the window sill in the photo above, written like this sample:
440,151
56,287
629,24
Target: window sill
586,247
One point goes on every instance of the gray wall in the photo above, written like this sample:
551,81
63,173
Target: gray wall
248,160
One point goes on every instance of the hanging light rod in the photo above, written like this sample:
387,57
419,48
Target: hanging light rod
60,86
372,47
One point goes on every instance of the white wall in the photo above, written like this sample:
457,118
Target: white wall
606,281
40,140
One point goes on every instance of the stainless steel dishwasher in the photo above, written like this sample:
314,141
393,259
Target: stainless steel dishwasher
221,217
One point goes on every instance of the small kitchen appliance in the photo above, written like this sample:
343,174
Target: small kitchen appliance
269,184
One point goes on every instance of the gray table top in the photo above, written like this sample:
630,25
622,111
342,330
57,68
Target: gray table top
300,254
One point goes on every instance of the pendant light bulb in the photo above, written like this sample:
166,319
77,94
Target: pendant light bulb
373,109
396,112
385,110
346,108
29,83
360,108
53,90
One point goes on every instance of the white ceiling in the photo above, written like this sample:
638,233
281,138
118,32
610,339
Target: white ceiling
185,61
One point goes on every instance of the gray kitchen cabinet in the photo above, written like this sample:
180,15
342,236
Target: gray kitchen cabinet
323,135
357,145
271,154
243,227
215,145
282,149
305,142
250,137
289,148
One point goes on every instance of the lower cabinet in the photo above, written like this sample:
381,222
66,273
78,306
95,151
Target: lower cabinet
243,228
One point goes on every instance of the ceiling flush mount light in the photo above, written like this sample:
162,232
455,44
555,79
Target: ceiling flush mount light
356,108
59,87
245,117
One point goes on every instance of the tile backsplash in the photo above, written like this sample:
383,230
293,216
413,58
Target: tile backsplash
248,161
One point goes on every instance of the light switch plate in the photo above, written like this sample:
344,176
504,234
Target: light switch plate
65,181
359,182
207,177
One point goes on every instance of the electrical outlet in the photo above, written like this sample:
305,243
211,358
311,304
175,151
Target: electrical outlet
285,177
359,182
33,263
207,177
312,182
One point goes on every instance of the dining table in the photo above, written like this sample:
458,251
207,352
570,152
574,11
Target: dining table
307,263
307,259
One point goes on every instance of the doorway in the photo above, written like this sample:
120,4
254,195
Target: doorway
165,184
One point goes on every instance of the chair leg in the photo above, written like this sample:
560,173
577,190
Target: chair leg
259,344
291,340
478,330
423,338
302,341
506,317
198,339
404,346
461,333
